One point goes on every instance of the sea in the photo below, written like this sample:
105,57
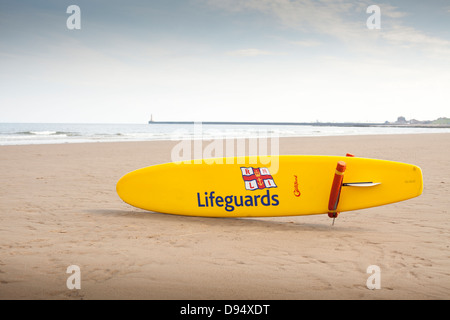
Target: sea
58,133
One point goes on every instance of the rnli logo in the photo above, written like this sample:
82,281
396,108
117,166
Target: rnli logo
257,178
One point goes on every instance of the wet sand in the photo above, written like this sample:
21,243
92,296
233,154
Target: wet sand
59,207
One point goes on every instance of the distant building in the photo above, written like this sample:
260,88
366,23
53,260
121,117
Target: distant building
401,120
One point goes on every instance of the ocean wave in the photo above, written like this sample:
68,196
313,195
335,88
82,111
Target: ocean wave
45,133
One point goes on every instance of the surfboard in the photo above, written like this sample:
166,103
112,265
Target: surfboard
269,186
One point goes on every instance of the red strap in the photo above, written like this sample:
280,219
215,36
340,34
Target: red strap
336,189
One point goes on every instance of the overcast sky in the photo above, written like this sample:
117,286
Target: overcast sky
230,60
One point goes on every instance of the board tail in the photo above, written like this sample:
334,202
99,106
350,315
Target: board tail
337,185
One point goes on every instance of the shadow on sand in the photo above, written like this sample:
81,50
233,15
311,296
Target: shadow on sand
289,223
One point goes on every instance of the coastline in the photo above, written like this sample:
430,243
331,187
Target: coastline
60,133
314,124
58,207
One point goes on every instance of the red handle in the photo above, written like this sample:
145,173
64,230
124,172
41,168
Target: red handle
336,189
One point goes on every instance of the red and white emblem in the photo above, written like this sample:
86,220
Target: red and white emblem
257,178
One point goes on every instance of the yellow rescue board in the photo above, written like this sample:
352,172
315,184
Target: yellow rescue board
267,186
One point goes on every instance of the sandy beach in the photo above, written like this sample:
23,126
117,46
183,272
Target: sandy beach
59,207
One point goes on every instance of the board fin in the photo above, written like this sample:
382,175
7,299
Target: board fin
360,184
